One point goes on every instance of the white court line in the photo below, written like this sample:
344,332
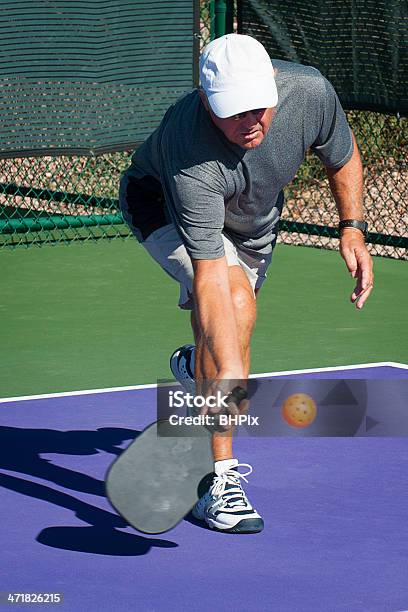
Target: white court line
22,398
393,364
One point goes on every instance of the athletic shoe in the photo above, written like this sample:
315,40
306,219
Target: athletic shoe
225,507
182,366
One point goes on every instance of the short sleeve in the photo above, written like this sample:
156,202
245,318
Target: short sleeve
195,198
334,144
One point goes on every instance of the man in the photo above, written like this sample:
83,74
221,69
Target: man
204,195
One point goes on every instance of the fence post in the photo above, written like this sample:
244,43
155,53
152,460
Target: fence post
223,22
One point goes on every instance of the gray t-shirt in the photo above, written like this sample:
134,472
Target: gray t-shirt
213,186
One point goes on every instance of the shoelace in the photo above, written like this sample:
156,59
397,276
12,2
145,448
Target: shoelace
234,496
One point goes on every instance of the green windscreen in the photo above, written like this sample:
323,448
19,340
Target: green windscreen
90,76
361,46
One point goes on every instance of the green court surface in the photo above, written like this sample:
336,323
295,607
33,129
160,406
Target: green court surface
104,315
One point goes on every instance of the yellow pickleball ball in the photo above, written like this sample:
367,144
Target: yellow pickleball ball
299,410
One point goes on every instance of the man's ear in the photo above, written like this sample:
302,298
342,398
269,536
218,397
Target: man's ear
204,100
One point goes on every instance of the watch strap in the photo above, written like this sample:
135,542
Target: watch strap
360,225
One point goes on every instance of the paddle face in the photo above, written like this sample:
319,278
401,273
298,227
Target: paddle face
153,483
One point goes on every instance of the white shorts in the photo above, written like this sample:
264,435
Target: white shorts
167,248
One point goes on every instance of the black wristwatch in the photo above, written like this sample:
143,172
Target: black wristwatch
360,225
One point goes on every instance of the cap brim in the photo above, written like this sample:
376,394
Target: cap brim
244,98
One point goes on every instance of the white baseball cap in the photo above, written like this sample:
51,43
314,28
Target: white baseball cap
237,75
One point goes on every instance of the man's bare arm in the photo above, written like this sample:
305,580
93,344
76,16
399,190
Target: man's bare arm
346,184
216,318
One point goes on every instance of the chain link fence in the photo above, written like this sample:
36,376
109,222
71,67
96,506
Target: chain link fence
382,141
53,200
49,200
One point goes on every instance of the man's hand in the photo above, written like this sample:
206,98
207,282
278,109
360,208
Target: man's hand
346,184
234,404
359,264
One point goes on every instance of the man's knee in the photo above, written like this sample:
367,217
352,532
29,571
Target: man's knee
242,295
244,304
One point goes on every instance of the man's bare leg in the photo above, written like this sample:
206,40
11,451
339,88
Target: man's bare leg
245,315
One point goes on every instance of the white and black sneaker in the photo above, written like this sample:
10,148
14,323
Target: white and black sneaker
182,366
225,506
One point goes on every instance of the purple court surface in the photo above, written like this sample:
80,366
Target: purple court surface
335,510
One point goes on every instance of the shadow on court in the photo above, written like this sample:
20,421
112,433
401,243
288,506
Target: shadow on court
19,452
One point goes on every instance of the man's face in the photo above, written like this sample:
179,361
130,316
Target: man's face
246,129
